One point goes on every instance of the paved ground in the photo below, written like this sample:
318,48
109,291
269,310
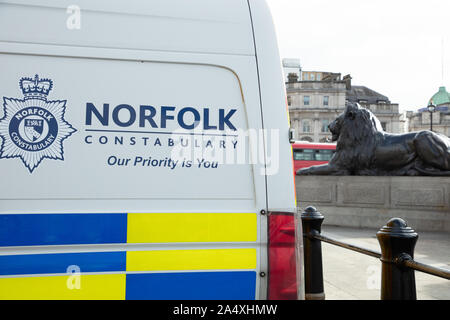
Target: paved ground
349,275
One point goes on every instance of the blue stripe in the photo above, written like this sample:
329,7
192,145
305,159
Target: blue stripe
59,262
239,285
58,229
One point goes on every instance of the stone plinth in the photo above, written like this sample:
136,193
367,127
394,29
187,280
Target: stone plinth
360,201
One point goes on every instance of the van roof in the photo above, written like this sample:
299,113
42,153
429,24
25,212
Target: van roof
203,26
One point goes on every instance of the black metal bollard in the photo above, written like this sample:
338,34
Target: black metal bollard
397,242
312,251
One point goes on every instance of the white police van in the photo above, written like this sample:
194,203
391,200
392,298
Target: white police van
144,152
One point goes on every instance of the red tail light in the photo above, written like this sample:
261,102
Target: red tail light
283,269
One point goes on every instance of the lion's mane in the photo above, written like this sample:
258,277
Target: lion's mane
357,141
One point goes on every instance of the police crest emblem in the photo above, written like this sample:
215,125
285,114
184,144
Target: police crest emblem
33,128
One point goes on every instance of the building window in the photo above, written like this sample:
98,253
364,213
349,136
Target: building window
383,125
312,76
325,123
318,77
306,126
326,100
309,139
289,100
306,100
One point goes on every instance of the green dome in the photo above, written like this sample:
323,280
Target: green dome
441,97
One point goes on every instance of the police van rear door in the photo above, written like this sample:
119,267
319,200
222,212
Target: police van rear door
129,150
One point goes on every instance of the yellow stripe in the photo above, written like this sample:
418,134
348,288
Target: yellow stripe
191,227
105,286
201,259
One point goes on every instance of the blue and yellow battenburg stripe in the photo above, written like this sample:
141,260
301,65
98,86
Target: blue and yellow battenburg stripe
228,273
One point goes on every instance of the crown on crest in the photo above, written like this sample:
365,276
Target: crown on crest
35,88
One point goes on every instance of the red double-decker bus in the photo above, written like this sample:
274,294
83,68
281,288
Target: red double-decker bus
307,154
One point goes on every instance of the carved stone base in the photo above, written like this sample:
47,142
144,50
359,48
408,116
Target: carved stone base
365,201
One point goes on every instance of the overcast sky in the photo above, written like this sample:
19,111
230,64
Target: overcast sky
391,46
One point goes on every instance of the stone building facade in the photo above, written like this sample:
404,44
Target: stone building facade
387,112
421,119
418,121
314,104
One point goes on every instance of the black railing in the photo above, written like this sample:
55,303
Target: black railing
397,242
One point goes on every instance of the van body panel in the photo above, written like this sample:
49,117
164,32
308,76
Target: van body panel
273,93
133,84
203,26
135,198
108,213
39,250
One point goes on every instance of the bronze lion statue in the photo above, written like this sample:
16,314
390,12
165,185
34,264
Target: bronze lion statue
363,148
